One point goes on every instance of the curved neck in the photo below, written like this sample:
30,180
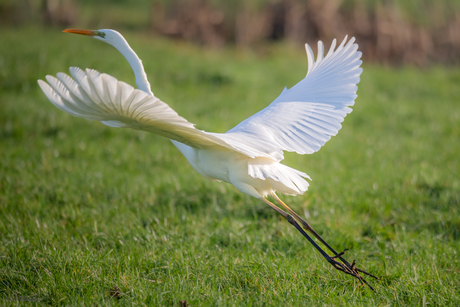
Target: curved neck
136,65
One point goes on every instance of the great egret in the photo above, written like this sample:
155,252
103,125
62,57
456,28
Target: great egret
301,120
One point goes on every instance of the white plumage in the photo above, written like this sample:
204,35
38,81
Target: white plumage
302,119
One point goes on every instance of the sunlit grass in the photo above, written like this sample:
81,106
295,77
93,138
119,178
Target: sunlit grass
85,207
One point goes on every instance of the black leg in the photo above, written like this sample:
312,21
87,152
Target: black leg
345,266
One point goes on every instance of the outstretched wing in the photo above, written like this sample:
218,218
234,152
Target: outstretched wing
303,118
95,96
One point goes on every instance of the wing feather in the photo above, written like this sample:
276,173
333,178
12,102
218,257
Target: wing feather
101,97
302,119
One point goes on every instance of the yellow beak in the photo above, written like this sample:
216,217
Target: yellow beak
82,32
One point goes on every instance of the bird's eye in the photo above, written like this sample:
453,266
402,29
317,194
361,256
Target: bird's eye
101,34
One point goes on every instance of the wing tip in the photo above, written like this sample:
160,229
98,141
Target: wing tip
41,83
310,57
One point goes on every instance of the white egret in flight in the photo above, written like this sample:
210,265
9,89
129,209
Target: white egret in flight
302,119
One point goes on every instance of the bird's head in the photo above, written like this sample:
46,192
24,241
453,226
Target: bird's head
106,35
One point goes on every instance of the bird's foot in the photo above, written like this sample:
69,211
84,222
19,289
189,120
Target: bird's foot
344,265
349,269
340,254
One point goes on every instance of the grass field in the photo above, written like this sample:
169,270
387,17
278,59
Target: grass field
86,208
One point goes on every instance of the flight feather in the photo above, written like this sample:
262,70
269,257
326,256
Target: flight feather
302,119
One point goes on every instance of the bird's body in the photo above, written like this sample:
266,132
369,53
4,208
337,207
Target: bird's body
301,119
239,170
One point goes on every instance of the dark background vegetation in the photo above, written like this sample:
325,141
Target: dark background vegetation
393,32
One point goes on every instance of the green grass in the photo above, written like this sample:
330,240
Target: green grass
85,207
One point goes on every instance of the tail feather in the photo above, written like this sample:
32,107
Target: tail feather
282,178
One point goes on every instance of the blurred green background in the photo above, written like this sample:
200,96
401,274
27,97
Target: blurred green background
86,209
